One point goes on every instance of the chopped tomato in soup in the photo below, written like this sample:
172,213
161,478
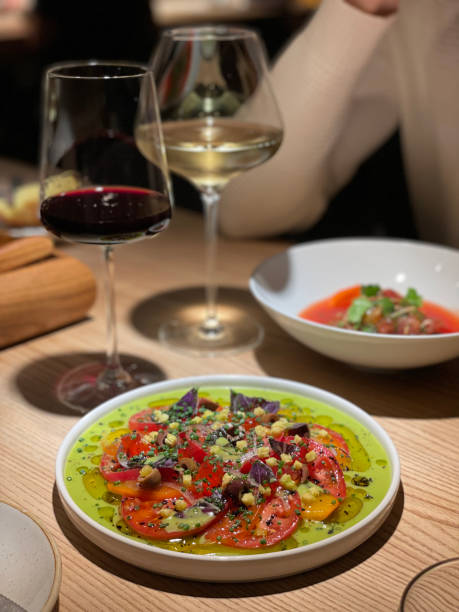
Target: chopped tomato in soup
371,309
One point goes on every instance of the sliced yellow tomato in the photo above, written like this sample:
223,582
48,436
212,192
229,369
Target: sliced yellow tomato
319,508
130,488
110,443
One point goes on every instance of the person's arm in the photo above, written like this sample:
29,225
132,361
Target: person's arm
315,80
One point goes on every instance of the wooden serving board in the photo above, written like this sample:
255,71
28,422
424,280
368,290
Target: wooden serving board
42,289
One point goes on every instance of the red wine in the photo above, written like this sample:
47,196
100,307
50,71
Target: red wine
106,215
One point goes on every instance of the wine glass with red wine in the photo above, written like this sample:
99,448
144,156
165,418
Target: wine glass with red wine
220,118
97,188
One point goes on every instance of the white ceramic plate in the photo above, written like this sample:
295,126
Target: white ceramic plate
229,568
30,564
288,282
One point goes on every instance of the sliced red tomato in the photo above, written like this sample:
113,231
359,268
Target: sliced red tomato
111,469
334,441
191,449
250,423
146,518
192,443
132,445
325,470
329,436
208,476
258,526
143,421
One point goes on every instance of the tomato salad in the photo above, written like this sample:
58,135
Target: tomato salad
242,475
370,308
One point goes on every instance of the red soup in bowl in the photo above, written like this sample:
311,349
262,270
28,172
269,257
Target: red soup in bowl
370,308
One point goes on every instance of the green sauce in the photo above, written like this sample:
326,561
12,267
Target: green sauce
367,480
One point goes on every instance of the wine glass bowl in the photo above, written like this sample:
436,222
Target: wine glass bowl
98,188
219,119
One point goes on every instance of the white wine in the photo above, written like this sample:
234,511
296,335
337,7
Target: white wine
209,153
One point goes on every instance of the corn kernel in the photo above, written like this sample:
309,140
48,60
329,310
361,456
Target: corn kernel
174,425
287,482
259,411
286,458
223,415
160,416
180,505
207,413
272,462
297,465
150,437
187,480
307,497
165,512
241,444
311,456
264,490
297,439
309,492
260,430
263,451
278,427
248,499
171,440
227,478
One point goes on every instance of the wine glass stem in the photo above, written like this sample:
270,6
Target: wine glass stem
211,325
113,373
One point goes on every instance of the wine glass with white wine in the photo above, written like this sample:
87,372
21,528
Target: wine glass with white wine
219,119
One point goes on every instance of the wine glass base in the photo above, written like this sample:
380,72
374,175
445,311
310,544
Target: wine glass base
239,334
434,588
79,391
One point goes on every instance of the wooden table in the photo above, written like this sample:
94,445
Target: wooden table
419,409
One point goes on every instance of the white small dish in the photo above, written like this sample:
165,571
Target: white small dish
30,564
213,568
288,282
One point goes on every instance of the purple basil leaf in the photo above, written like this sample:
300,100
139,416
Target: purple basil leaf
216,498
244,403
282,447
260,473
163,462
189,399
300,429
130,462
236,488
185,407
271,407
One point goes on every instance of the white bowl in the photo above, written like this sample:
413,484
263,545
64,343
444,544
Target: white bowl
288,282
239,567
30,564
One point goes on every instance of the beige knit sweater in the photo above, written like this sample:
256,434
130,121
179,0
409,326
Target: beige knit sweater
344,84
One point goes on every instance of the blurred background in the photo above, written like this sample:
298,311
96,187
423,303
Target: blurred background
36,33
